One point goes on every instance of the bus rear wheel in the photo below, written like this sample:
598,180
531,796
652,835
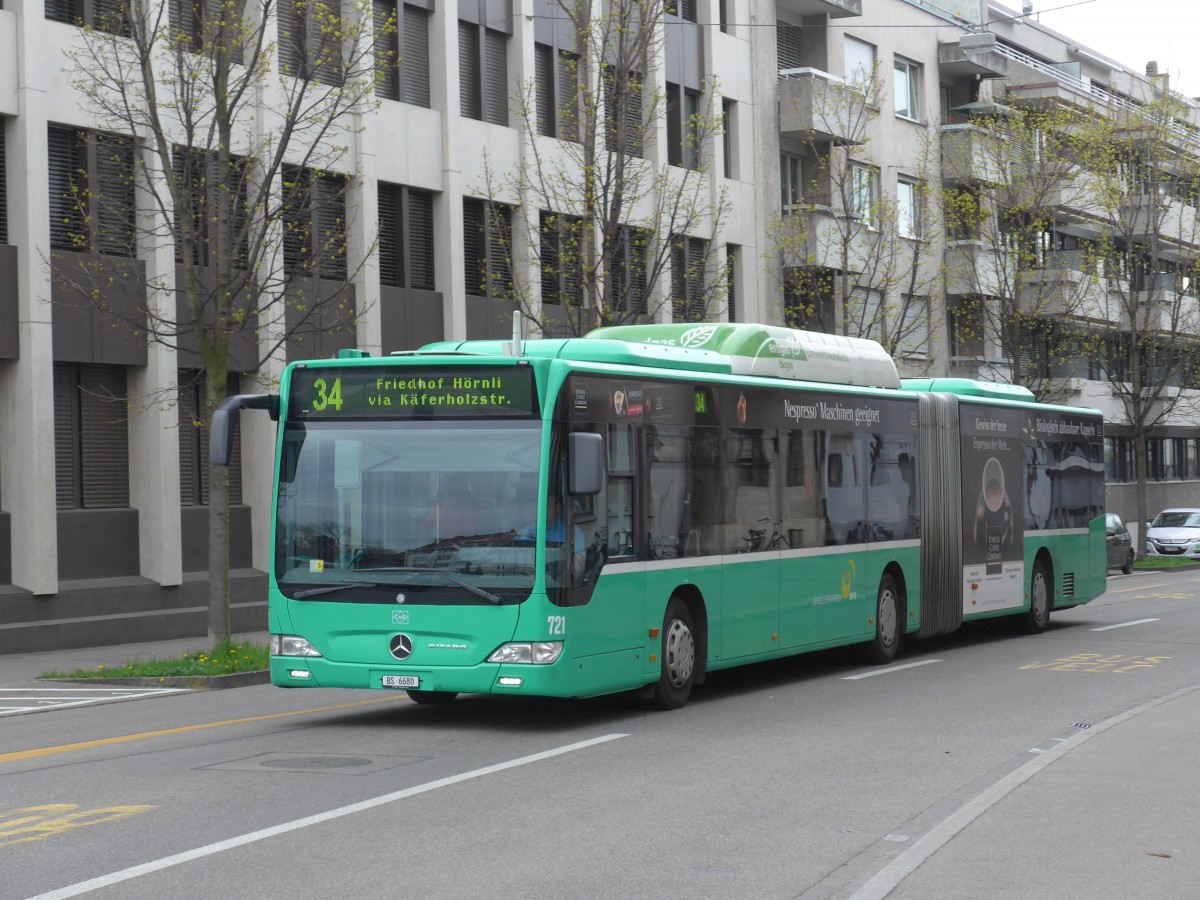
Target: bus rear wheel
1034,619
432,698
678,656
888,629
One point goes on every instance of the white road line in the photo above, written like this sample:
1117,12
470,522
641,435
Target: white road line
890,669
886,879
167,862
1124,624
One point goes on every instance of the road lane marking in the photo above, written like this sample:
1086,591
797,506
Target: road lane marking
914,856
1140,587
1125,624
36,823
20,755
167,862
16,700
890,669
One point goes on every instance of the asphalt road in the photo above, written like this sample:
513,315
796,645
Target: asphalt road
938,776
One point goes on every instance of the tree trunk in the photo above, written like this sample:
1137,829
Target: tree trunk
218,529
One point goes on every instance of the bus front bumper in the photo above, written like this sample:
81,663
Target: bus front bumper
485,678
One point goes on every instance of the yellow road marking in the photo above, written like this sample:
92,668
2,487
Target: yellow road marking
1140,587
39,826
183,729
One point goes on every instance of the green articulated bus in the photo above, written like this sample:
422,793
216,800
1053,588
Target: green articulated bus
636,508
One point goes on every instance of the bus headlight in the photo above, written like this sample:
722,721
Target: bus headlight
538,653
292,645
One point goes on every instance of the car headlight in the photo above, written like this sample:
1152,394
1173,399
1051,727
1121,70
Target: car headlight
537,653
292,645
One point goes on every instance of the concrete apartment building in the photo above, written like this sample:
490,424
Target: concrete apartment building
102,505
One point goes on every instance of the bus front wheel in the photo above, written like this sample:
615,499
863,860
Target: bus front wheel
678,671
888,611
1034,619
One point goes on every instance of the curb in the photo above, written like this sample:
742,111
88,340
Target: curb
189,682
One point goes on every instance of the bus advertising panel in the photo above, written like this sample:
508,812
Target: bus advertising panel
993,514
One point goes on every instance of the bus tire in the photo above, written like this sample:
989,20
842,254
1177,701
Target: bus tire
432,698
1041,587
678,669
889,633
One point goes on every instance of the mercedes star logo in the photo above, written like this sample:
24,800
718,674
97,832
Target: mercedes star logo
401,646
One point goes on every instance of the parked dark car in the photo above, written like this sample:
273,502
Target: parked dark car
1120,545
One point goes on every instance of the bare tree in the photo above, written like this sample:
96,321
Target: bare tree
1024,260
855,261
1148,195
231,122
603,221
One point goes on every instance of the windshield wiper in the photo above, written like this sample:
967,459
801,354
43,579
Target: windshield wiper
340,586
421,570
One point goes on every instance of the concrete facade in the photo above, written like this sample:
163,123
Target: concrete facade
70,576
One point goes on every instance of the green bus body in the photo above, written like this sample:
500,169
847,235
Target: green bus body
776,507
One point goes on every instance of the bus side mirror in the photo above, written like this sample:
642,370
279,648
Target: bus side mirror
225,419
585,462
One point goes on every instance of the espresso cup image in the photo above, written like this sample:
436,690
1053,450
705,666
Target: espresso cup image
993,484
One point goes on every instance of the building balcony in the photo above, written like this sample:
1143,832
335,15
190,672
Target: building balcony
972,58
1157,213
1168,304
835,9
815,238
1063,289
973,270
815,106
972,154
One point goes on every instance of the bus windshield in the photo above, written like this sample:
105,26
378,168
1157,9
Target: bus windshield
441,512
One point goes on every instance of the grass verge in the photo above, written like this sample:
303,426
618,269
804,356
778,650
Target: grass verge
1163,562
226,658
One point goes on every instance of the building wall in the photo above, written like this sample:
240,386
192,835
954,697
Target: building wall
46,553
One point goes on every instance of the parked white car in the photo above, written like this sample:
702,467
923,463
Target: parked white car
1174,532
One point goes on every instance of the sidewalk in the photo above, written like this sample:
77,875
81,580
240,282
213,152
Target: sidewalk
24,668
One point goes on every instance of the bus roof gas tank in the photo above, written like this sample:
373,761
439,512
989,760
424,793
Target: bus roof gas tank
772,351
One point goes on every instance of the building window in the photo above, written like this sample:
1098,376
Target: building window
314,224
193,442
199,186
723,14
406,246
556,75
729,136
193,17
310,41
482,73
627,271
688,258
106,15
91,437
791,188
789,46
907,209
731,276
561,261
683,9
402,52
864,312
623,111
858,62
487,246
913,339
906,89
683,124
92,199
864,194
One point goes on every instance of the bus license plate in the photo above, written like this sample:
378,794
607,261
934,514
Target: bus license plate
401,681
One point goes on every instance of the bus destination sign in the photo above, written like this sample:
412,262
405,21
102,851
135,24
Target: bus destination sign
392,392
